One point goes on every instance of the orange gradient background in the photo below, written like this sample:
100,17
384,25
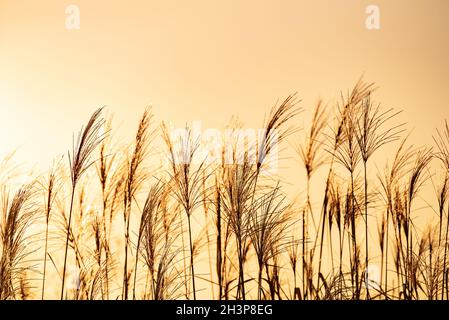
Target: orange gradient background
208,60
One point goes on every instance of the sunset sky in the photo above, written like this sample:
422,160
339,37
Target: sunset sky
205,61
208,60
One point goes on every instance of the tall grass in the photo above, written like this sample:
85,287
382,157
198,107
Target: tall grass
18,213
51,189
80,161
372,133
135,176
312,157
230,229
186,181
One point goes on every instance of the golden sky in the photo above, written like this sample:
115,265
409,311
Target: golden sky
206,60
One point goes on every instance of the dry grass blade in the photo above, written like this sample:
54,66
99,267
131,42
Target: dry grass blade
442,142
276,128
267,229
88,139
16,219
135,176
186,180
310,150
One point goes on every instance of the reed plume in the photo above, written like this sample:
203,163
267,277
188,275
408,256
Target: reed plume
186,180
134,178
80,160
18,214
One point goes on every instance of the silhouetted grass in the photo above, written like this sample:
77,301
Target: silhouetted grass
229,229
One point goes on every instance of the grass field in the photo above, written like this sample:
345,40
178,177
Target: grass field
108,221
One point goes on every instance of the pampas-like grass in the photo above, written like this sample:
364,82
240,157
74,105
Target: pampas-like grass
134,178
226,230
80,160
18,214
186,181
